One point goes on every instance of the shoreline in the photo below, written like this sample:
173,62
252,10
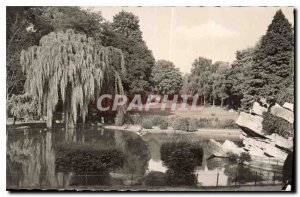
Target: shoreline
207,133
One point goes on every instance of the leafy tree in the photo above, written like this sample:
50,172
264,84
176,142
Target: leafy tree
138,58
166,78
272,60
199,78
22,106
237,79
26,26
71,67
127,24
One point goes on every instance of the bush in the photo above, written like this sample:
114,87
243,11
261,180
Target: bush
181,124
193,125
273,124
233,156
120,119
163,125
228,124
181,158
244,156
156,119
135,119
147,124
204,123
155,178
82,158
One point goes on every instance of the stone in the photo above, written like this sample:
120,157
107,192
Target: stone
289,106
281,112
257,109
252,122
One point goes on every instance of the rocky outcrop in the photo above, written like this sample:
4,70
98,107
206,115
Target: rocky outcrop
256,142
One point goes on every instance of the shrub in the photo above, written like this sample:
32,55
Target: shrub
82,158
181,158
273,124
163,125
193,124
156,119
155,178
147,124
135,119
171,120
181,124
204,123
228,124
120,119
233,156
244,156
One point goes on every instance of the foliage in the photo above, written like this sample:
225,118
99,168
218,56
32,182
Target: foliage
163,125
73,67
155,119
181,124
228,124
273,63
147,124
120,119
166,78
273,124
193,124
232,156
204,123
26,26
88,158
181,158
135,119
155,178
23,105
127,24
124,34
244,157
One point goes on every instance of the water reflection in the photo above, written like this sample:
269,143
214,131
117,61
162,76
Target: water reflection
31,159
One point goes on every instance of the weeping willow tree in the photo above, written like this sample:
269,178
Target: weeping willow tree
73,68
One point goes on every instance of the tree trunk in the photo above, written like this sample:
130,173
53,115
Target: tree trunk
222,101
204,103
15,120
213,101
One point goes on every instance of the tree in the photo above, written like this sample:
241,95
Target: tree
237,79
127,24
71,67
124,33
166,78
26,26
272,58
198,80
22,106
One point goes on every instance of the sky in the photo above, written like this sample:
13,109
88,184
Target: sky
182,34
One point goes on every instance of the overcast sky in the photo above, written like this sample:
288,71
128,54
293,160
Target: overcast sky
181,34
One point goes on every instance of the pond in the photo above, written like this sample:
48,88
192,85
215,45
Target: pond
31,160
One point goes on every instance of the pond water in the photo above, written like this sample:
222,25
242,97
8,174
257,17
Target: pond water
31,160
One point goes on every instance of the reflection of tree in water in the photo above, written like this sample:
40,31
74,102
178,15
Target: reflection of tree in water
31,162
136,153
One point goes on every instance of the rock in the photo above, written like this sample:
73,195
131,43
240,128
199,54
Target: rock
257,109
281,141
252,122
223,150
281,112
289,106
275,152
